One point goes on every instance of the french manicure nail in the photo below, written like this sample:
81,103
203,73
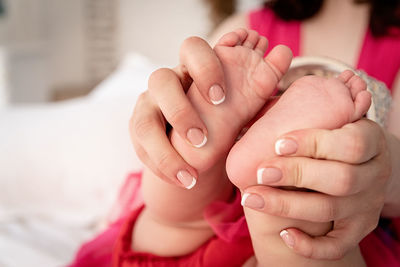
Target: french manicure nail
196,137
253,201
268,175
285,147
186,179
216,94
287,238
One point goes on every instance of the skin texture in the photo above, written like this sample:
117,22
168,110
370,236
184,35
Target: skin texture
369,166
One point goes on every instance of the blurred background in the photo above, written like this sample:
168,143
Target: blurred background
70,74
53,49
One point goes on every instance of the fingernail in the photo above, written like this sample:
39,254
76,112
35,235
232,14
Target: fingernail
268,175
253,201
186,179
196,137
285,147
287,238
216,94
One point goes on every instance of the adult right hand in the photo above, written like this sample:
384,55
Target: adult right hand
165,101
349,173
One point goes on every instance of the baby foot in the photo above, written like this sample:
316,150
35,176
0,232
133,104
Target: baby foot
310,102
250,80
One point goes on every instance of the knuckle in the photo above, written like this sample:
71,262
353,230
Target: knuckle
297,175
331,211
178,114
317,139
189,44
162,74
283,208
209,61
346,183
164,161
355,146
315,147
157,74
142,127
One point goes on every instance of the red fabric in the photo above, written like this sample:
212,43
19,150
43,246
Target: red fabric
97,252
379,249
129,197
379,57
215,252
276,30
230,224
230,247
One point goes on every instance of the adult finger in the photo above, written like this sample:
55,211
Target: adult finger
344,237
167,91
354,143
147,129
309,206
199,62
326,176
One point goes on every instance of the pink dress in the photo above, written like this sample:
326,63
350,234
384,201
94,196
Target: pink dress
231,245
379,57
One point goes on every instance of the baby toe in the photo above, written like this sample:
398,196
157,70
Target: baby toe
230,39
261,46
251,40
345,76
356,84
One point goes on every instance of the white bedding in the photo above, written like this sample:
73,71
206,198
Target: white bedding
61,166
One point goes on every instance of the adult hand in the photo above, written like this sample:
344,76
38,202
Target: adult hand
166,101
347,170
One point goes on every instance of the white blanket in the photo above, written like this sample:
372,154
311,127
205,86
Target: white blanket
61,166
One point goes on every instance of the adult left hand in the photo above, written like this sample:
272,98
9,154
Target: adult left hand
347,170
